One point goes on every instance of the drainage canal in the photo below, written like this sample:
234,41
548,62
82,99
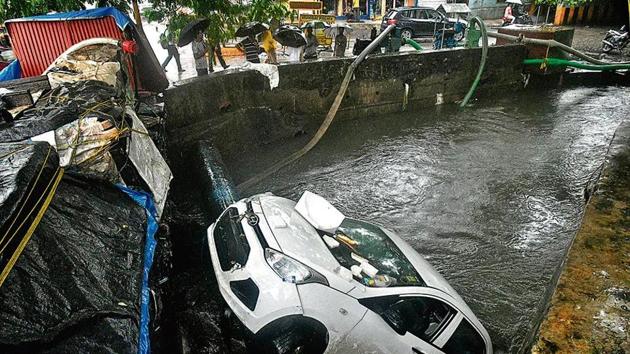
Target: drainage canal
491,196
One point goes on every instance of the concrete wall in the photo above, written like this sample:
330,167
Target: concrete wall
240,113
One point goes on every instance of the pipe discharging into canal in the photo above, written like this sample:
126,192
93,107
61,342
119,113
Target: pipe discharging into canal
329,117
555,44
577,64
484,56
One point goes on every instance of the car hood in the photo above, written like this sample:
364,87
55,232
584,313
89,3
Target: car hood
294,235
298,239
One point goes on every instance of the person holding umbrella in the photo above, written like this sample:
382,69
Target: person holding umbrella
250,45
166,41
292,38
341,41
193,33
269,45
310,51
200,49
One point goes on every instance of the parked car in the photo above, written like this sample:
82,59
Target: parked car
421,21
304,278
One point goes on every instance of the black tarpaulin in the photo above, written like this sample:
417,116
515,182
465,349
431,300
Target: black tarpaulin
76,286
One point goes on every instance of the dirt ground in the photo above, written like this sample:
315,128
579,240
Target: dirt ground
589,39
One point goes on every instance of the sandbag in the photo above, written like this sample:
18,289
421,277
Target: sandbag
76,287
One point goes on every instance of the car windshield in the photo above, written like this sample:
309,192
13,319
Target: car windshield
375,259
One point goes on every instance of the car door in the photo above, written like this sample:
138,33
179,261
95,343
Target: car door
406,323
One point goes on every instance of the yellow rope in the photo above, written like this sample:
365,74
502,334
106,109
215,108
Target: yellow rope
39,174
18,251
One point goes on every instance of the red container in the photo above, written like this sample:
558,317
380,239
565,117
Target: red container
38,43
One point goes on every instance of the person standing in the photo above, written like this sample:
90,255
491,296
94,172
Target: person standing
166,40
341,43
251,48
199,49
310,51
219,54
294,54
269,45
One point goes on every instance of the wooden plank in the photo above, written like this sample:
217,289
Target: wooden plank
32,84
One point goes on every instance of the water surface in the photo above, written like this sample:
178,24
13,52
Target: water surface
491,196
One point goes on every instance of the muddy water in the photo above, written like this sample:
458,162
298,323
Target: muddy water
491,196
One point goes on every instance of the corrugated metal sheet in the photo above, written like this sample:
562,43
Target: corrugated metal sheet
38,43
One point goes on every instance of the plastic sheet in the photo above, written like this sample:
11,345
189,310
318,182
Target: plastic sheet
26,171
144,200
76,287
11,72
61,106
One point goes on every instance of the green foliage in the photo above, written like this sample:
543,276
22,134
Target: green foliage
567,3
225,16
10,9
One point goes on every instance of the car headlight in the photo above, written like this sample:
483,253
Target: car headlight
290,270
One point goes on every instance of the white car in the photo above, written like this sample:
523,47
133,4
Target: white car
305,279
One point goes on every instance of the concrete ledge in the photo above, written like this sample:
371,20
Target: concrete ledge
239,111
589,311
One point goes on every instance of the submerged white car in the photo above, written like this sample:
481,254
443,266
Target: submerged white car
302,278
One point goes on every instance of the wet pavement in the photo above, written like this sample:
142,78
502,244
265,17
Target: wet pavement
491,196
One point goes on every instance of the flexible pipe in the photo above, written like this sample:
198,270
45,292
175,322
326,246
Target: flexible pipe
555,44
576,64
415,45
329,117
484,56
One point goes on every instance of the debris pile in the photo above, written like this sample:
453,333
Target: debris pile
77,244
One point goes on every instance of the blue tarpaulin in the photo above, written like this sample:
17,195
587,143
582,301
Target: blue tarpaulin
11,72
121,19
146,201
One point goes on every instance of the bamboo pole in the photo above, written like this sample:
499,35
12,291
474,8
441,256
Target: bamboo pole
136,16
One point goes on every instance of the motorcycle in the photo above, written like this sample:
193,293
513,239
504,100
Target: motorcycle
523,19
615,40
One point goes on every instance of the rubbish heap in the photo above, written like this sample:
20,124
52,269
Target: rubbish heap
77,230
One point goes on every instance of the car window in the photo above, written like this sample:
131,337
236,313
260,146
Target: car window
362,242
423,317
407,13
229,237
422,14
465,340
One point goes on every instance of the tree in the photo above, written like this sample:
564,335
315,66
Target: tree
10,9
225,16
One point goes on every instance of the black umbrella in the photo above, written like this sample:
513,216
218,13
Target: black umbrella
289,36
251,28
190,31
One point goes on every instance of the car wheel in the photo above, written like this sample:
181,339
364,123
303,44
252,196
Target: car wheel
406,34
290,336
